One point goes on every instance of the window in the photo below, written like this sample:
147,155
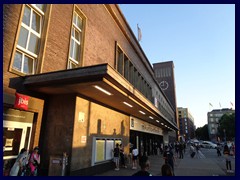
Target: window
131,73
169,72
120,61
125,67
218,115
27,50
103,149
76,44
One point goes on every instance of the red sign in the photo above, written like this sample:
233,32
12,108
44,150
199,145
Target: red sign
21,101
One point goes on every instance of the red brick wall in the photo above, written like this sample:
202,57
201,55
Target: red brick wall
58,39
11,14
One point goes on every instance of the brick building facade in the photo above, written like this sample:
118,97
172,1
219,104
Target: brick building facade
86,84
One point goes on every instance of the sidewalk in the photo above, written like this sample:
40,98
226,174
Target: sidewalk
198,167
183,167
156,163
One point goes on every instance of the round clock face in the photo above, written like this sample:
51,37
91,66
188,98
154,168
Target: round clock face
164,85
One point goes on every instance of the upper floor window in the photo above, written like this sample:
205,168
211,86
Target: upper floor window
75,52
126,68
27,49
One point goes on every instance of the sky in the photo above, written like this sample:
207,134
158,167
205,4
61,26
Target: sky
200,40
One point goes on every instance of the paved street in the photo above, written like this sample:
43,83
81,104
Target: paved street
206,165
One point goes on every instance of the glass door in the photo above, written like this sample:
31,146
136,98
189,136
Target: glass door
16,135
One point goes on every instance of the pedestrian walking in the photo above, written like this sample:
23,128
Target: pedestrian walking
198,151
144,164
34,161
192,151
167,170
19,163
116,155
169,157
180,151
226,152
135,157
219,150
122,156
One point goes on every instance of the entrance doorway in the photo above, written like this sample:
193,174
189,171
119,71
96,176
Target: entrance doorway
17,129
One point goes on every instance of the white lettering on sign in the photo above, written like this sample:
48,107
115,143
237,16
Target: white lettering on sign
22,101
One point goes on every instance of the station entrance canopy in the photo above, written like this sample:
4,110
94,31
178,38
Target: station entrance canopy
101,84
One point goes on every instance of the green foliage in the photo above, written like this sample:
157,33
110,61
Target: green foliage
202,133
227,122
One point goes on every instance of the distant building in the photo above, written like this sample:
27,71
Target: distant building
213,121
186,123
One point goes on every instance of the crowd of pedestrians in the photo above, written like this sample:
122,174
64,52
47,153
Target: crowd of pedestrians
170,153
27,163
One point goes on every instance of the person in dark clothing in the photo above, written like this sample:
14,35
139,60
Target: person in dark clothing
219,150
116,153
169,157
122,158
180,151
167,170
144,164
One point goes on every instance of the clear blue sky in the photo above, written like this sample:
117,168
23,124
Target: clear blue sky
200,40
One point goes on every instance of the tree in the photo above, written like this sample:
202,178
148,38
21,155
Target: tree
227,123
202,133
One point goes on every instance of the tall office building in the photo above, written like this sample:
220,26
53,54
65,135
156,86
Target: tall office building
186,123
164,74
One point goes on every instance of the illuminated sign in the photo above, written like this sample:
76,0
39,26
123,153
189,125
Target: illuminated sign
21,101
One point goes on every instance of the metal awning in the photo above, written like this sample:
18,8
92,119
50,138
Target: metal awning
90,82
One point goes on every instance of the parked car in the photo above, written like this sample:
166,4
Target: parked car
194,142
208,144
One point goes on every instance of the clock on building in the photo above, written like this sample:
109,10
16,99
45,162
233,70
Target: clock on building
164,85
